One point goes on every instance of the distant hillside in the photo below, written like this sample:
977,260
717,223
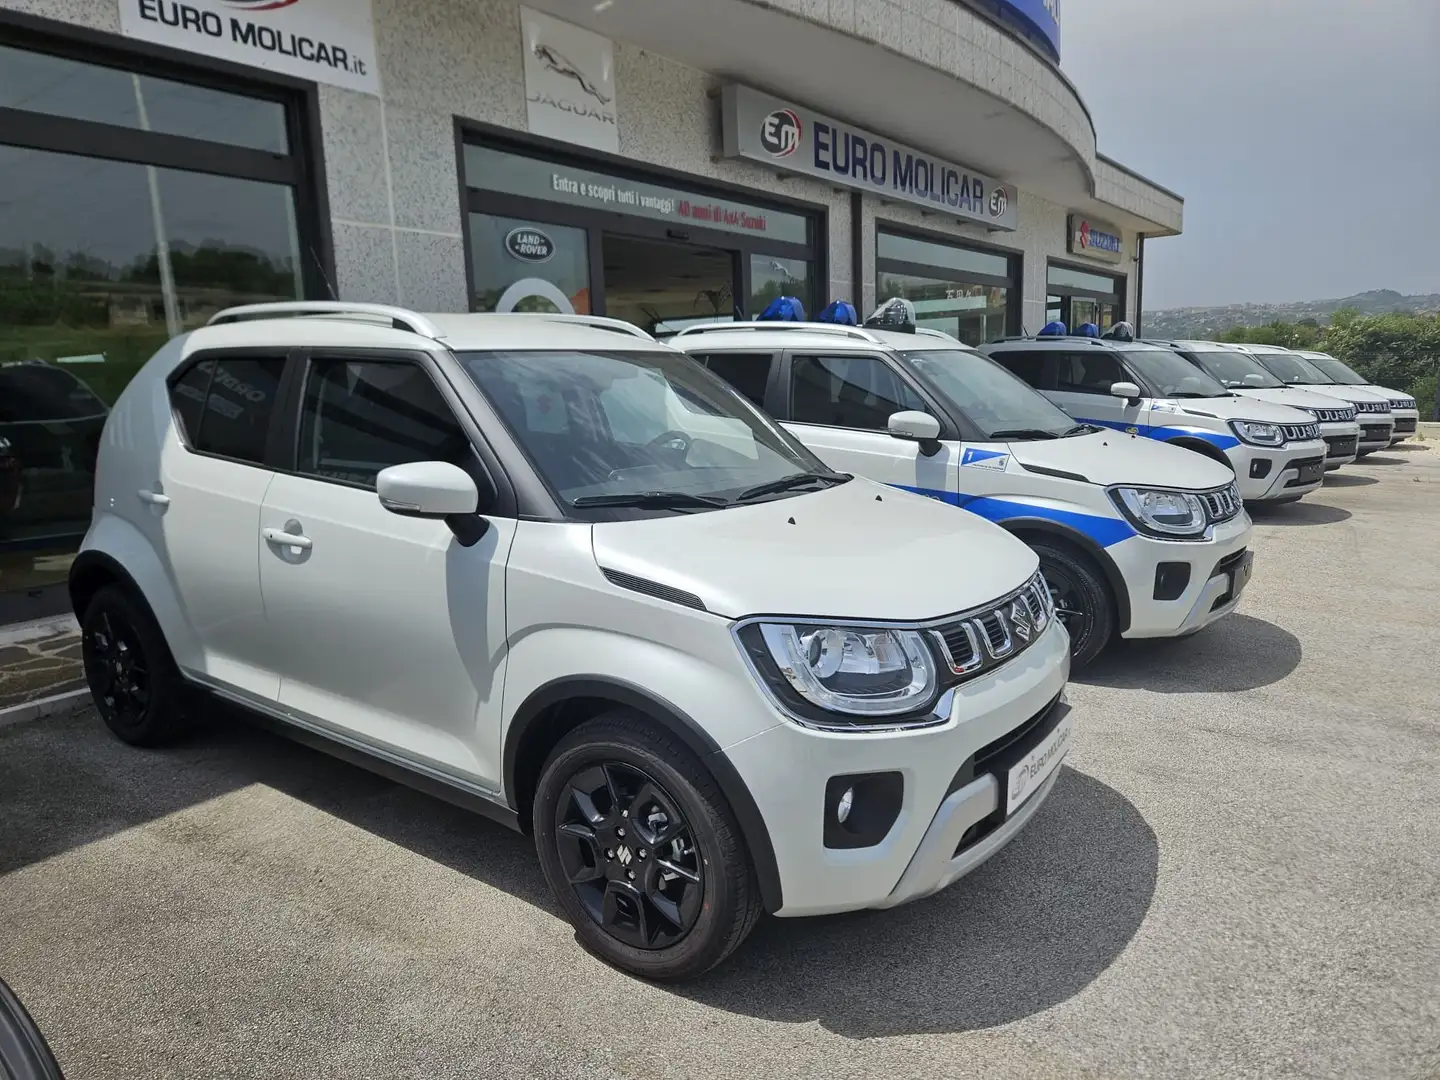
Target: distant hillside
1202,322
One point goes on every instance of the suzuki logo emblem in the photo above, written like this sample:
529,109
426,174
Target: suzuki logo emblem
1020,620
624,856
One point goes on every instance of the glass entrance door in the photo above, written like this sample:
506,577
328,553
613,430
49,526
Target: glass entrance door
663,286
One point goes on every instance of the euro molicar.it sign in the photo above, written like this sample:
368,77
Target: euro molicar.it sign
785,136
329,41
1096,239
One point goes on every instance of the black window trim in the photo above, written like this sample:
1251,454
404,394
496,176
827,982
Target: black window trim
950,431
238,352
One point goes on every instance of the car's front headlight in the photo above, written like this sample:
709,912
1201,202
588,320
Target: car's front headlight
856,673
1258,434
1161,513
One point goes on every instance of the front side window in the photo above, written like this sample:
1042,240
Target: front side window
362,416
848,391
650,427
1236,370
1294,370
225,405
1089,372
998,403
1172,375
1340,372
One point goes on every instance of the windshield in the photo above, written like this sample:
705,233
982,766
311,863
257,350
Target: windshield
1341,373
1292,369
993,399
600,426
1235,370
1172,375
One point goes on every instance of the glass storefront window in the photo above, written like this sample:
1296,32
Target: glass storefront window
928,253
772,277
973,313
1078,296
521,265
1080,279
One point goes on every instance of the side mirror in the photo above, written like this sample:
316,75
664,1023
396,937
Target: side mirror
1127,390
436,489
915,426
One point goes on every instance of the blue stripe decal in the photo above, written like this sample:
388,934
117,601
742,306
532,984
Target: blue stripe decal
1104,531
1167,432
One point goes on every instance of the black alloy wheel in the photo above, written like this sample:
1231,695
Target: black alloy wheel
117,671
132,676
1082,599
629,855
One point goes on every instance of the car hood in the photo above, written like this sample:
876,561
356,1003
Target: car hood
1112,457
1345,393
1229,408
1387,392
858,550
1293,396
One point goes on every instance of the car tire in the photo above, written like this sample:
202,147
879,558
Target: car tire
1083,599
132,676
610,789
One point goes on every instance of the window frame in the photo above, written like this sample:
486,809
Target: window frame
949,430
278,409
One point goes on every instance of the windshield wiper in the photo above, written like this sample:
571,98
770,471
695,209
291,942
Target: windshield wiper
1194,394
1024,433
789,483
658,499
1079,429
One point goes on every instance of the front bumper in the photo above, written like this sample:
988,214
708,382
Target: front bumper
1218,573
1342,443
1375,432
1278,473
1407,422
787,769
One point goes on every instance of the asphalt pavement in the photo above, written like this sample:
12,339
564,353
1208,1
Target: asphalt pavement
1238,874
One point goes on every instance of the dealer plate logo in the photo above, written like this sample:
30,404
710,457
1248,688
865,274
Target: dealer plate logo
780,133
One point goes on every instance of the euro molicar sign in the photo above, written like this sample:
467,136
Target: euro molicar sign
785,136
329,41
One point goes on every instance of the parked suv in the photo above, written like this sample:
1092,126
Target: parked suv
1240,373
555,570
1140,541
1275,451
1377,423
1404,408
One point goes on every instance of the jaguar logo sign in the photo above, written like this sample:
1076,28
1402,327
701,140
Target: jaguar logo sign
529,245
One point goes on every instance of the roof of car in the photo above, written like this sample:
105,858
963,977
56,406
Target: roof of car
741,336
1248,347
1195,345
1071,341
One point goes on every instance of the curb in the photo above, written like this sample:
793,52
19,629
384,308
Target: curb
59,705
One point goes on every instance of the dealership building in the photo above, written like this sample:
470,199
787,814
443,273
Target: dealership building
660,161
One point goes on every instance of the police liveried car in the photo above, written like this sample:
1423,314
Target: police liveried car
1135,539
1275,451
1377,421
1404,408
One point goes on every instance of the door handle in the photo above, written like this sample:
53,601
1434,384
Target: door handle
281,538
154,498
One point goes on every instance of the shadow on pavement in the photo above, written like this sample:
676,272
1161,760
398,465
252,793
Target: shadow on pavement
1380,458
1298,513
1031,928
1340,480
1239,652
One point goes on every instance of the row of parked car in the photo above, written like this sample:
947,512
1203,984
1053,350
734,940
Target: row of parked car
704,616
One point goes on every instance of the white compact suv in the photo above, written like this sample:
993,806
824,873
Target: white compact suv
1377,422
1275,451
1404,408
554,570
1240,373
1136,540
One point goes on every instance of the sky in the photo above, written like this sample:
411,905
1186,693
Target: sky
1304,136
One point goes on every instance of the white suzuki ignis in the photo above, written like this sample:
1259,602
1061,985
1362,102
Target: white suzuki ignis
554,570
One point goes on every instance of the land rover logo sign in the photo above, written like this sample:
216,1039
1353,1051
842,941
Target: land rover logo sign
529,245
780,133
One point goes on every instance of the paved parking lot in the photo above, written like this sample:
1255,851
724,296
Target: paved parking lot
1238,875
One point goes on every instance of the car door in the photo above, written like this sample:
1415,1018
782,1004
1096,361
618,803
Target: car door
393,633
1082,388
839,405
201,513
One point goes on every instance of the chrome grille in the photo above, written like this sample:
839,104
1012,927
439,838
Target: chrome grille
1402,403
1332,416
1372,406
1300,432
996,633
1222,505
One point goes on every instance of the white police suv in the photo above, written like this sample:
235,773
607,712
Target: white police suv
1240,373
1134,539
1377,422
1404,408
555,571
1275,451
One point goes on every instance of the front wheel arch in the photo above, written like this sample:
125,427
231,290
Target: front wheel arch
1038,529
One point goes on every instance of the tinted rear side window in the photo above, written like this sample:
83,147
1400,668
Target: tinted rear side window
748,373
225,404
1029,366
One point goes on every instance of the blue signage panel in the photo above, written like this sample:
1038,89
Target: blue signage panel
1039,20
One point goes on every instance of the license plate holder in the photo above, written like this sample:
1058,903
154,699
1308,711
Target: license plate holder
1240,576
1029,774
1312,472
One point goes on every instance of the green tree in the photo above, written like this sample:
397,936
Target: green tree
1397,350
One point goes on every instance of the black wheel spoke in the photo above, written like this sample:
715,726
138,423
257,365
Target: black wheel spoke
581,856
657,821
679,871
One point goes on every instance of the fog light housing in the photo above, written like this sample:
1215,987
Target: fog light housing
1171,580
1259,469
861,809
